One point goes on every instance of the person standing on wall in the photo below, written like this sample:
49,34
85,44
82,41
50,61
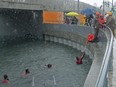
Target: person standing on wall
111,22
102,21
96,26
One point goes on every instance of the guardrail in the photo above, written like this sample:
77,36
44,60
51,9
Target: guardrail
103,74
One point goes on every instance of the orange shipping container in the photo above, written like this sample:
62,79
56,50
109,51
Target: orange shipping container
53,17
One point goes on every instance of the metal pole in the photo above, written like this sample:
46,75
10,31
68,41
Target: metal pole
78,6
112,4
103,7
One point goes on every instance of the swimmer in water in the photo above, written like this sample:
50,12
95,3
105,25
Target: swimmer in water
79,59
6,79
49,65
26,72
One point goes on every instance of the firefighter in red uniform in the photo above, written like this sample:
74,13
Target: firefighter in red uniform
96,26
102,21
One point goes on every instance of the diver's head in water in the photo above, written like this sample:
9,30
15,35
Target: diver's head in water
49,65
27,71
6,77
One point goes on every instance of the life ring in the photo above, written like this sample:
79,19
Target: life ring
91,37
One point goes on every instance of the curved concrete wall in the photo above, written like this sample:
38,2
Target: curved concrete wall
74,33
69,34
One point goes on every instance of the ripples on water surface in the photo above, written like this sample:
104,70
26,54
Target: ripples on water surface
35,55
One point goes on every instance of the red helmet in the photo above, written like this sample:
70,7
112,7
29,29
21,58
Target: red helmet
97,13
91,37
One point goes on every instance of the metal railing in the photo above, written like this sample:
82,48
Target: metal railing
103,74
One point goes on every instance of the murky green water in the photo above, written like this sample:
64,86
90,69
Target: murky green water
35,55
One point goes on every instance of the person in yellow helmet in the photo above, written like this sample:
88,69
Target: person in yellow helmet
111,22
84,19
109,13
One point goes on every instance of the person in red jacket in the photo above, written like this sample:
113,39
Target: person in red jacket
6,79
79,59
96,26
101,21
